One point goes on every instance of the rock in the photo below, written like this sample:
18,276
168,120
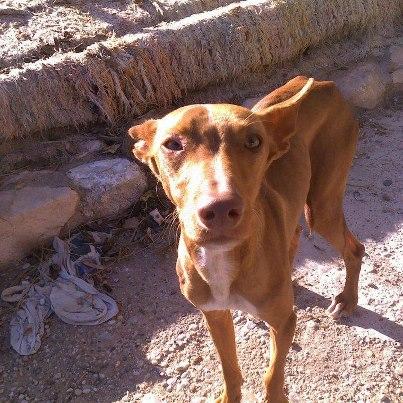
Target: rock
32,215
387,182
182,366
364,86
108,186
131,223
104,336
397,79
150,398
170,382
78,392
311,325
90,146
396,57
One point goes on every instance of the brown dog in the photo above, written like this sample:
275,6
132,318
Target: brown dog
239,179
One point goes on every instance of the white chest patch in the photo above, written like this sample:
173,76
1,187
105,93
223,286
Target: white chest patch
218,271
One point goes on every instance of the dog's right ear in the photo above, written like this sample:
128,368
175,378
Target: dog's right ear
142,146
143,136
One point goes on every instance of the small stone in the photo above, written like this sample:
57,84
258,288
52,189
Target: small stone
133,320
170,381
369,354
397,79
197,360
151,398
193,327
384,399
387,182
312,325
104,336
182,385
183,366
58,375
69,390
78,392
396,57
131,223
295,346
363,86
86,390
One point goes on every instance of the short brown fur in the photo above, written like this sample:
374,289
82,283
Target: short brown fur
291,152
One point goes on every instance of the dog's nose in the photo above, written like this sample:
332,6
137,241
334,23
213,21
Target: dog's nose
223,211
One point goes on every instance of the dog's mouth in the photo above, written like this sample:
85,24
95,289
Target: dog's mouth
222,239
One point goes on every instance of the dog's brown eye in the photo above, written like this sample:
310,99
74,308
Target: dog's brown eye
252,142
173,145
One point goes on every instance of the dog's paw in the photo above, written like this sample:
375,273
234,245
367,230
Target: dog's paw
342,304
226,398
276,399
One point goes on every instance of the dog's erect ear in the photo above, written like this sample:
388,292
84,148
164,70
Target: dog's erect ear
143,136
280,120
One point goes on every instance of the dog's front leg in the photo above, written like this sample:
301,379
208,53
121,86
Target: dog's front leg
221,329
281,335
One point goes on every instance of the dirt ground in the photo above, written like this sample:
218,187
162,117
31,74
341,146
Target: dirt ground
158,344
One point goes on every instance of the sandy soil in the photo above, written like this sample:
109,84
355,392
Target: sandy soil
158,344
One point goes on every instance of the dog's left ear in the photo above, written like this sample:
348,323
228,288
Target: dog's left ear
280,120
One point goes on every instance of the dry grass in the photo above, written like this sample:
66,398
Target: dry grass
129,75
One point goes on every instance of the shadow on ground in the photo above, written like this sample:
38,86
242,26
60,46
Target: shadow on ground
362,317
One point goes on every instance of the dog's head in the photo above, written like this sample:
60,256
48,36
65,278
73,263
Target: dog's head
211,160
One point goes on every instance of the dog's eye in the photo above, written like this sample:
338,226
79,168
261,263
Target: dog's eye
173,145
252,142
